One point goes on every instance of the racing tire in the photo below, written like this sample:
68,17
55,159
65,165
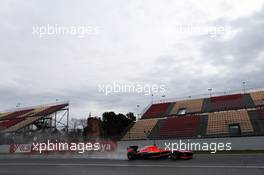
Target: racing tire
131,156
174,156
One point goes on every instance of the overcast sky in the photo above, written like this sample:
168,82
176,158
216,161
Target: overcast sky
132,42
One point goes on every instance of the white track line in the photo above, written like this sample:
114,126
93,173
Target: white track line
135,165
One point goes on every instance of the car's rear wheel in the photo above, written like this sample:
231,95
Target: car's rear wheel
131,156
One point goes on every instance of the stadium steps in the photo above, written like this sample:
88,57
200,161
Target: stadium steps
126,130
248,101
206,105
156,129
168,111
261,114
202,126
256,122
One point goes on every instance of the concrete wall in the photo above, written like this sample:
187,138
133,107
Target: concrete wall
237,143
4,148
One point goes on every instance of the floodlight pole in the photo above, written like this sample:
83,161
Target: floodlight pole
67,125
55,121
18,105
163,96
137,112
244,86
210,91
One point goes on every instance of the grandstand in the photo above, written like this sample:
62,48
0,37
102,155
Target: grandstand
234,114
39,117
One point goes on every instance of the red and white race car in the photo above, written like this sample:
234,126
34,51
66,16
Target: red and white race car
153,152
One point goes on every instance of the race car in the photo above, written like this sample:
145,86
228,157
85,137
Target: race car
153,152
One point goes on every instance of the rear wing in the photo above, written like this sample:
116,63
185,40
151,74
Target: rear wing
132,148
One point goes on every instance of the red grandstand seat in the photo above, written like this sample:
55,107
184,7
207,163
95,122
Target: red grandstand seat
226,102
156,110
16,114
177,127
7,123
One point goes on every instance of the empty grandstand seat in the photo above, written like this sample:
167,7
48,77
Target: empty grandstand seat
16,114
226,102
49,110
218,122
35,111
180,127
22,124
8,123
258,97
2,115
191,106
156,110
140,130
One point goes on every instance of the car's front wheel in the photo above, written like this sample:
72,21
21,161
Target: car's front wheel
174,156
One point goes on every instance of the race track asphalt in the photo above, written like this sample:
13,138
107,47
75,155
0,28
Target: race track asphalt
252,164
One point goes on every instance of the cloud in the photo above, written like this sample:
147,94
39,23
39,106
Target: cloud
241,55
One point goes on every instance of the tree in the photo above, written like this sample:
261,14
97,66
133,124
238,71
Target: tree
115,124
78,123
131,116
